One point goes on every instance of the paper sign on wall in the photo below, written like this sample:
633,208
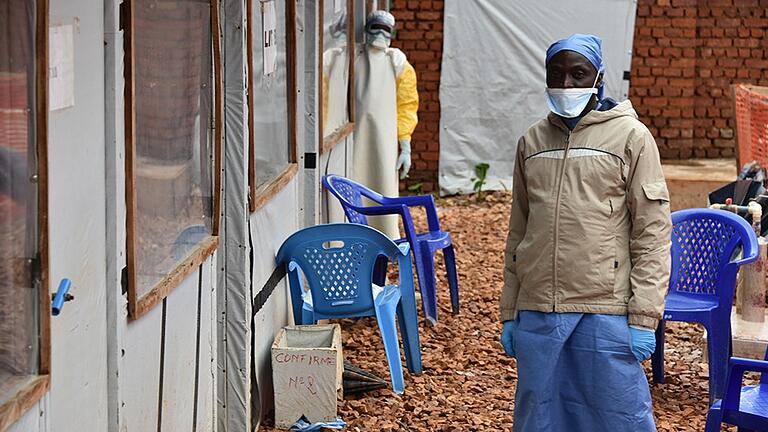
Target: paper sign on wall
61,67
269,39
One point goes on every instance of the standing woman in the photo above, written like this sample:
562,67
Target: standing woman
587,256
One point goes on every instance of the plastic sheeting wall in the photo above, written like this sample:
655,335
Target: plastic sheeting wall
492,83
253,299
160,367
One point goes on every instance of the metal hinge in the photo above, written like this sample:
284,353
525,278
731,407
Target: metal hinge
124,280
34,268
122,12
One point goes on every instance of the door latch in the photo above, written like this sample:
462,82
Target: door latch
60,296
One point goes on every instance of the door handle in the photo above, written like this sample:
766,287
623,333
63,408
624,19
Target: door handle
62,295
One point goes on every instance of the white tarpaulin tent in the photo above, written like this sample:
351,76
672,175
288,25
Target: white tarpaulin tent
492,83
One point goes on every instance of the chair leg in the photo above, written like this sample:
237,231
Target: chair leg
657,358
718,350
385,316
714,419
307,317
409,330
427,285
417,262
453,279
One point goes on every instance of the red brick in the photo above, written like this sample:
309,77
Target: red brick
421,55
657,62
684,22
683,43
756,63
429,16
670,133
675,12
728,22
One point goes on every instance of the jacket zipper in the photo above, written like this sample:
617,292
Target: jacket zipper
557,218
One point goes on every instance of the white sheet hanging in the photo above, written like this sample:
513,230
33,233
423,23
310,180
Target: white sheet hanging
492,80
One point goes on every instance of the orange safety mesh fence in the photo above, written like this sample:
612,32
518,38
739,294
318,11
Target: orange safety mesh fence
752,123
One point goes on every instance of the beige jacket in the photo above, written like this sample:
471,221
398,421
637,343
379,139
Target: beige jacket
590,227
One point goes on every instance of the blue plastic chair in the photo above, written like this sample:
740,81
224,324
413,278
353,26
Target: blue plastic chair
424,245
337,261
745,407
702,283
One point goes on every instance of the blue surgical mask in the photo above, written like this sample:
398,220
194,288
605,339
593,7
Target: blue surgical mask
570,102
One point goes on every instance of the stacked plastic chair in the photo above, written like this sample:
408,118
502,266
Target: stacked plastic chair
338,261
424,245
745,407
705,259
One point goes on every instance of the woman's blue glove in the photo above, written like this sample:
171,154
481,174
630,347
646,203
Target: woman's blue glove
507,337
643,342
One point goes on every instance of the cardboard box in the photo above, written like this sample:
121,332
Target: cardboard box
307,368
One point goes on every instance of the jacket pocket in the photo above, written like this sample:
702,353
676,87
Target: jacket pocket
656,191
608,264
525,267
521,267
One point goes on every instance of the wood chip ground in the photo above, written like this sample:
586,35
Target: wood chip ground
468,383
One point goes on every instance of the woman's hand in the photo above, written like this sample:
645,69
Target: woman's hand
643,342
507,337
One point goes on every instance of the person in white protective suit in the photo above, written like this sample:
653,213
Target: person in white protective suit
335,78
387,102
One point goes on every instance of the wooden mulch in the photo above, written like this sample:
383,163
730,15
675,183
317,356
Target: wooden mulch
468,383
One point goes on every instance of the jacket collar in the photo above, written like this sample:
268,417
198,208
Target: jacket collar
624,108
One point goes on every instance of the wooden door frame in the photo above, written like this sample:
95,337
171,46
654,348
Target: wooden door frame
257,197
13,409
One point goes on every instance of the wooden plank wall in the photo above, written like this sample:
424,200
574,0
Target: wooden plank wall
167,382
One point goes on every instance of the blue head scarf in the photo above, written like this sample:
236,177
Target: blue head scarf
589,46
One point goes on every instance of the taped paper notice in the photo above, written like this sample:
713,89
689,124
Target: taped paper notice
269,36
61,67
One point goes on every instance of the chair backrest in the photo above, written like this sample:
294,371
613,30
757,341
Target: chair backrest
704,243
337,261
764,375
348,193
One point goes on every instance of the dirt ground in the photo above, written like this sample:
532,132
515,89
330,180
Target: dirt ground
468,383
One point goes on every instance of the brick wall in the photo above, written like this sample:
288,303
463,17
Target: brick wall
420,36
687,53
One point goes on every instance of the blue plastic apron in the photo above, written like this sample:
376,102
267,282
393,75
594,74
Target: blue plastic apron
576,372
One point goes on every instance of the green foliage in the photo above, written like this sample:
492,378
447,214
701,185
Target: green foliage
416,188
481,173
